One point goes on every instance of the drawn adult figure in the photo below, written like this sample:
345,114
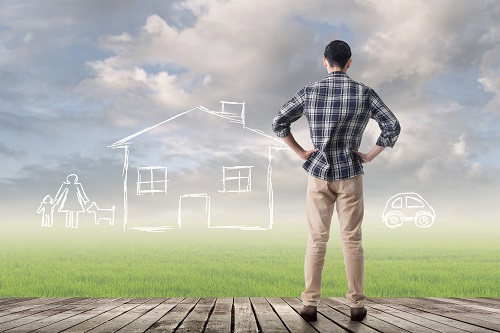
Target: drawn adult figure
71,199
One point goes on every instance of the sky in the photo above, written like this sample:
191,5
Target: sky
79,75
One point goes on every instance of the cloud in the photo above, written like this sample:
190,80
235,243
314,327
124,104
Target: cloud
9,152
490,77
225,54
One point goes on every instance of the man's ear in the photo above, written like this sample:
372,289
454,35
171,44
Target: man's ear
349,63
325,63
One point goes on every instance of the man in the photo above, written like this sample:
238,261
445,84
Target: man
337,109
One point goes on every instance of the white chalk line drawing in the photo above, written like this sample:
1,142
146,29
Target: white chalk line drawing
72,200
233,182
102,214
71,189
233,117
207,211
408,206
207,207
242,179
47,210
151,186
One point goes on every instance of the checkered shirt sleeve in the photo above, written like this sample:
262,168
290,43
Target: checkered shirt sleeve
290,112
386,120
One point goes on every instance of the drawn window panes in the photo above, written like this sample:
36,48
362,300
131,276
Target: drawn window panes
151,180
398,203
237,179
413,203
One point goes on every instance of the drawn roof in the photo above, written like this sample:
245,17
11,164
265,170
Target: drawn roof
225,115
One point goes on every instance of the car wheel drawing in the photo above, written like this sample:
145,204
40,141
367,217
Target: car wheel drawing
406,207
394,219
424,219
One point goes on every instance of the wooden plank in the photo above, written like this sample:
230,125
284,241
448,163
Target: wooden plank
101,318
465,314
444,320
13,300
477,312
482,301
267,319
7,299
173,319
26,305
446,310
139,300
88,311
292,320
415,318
338,311
148,319
221,317
322,325
37,313
197,319
127,317
465,303
490,299
37,301
244,317
54,316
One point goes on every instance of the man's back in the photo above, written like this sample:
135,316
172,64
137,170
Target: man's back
337,109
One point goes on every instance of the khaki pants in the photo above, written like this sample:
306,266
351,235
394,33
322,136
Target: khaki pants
321,198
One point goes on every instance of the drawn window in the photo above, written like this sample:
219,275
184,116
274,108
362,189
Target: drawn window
151,180
237,179
398,203
413,203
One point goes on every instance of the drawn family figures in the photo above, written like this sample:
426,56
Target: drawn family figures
102,214
47,210
72,200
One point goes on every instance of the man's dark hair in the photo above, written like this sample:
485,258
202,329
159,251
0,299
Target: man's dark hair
337,53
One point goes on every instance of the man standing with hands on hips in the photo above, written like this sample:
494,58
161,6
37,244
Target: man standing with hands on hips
337,110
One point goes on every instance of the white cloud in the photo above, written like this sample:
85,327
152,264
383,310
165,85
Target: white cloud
460,149
225,55
490,77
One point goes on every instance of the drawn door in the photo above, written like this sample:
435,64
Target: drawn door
194,212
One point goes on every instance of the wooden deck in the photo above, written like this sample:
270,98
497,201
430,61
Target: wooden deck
225,315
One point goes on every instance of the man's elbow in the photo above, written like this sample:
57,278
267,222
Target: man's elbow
280,130
397,128
282,133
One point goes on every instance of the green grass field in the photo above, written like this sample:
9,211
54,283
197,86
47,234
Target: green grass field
406,262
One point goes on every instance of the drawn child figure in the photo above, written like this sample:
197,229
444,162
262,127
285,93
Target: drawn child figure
47,210
71,199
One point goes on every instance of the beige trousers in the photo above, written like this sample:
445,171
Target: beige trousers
321,198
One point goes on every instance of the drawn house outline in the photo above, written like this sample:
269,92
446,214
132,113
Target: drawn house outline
237,179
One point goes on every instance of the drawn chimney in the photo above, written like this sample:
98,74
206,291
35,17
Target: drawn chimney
232,116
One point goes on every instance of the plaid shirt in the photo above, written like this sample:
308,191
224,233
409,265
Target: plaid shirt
337,110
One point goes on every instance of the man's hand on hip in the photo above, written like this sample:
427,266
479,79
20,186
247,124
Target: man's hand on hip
366,158
303,154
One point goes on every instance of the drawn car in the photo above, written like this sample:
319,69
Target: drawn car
408,207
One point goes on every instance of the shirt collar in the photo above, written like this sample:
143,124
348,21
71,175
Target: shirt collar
337,73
